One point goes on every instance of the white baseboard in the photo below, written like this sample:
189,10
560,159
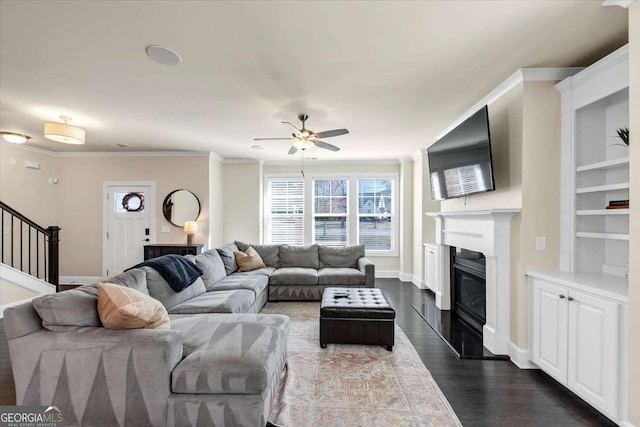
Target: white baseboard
418,282
386,274
405,277
626,424
520,357
79,280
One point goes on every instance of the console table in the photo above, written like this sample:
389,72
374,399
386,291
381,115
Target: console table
154,251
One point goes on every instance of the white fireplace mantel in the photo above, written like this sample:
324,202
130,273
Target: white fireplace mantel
489,232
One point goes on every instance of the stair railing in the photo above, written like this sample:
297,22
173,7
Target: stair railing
40,252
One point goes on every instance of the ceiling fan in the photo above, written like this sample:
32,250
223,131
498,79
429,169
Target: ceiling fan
303,138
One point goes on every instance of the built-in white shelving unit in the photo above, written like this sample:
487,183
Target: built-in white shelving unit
579,314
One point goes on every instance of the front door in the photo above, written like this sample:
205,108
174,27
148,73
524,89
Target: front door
129,217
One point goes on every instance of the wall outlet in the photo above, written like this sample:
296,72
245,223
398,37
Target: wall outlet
541,243
165,229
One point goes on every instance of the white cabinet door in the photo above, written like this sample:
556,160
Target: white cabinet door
432,263
550,329
594,350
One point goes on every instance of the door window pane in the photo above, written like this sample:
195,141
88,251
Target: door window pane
129,202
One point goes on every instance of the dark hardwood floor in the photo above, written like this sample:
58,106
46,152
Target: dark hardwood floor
481,392
487,392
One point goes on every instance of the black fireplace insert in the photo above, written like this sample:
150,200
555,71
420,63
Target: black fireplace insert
468,287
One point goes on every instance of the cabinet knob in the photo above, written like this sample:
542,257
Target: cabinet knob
570,298
562,296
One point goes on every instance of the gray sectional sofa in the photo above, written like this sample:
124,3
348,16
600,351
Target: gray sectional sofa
303,272
219,364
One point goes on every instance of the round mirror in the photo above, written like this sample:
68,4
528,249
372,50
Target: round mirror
181,206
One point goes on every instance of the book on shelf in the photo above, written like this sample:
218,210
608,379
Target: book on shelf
618,207
619,203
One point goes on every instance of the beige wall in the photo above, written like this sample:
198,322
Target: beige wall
405,266
10,292
634,218
27,190
216,199
540,214
242,202
505,126
418,212
80,206
428,205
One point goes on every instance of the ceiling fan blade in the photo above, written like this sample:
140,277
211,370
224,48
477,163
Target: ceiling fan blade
326,146
330,133
272,139
293,149
289,123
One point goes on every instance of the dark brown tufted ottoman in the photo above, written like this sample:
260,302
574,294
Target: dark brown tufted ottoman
363,317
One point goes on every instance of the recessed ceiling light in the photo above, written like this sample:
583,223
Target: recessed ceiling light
257,147
121,145
163,55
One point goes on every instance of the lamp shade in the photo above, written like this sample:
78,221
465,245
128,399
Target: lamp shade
14,138
63,132
190,227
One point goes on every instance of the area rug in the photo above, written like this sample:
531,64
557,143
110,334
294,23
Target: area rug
353,385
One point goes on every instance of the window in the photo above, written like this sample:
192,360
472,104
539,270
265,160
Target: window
285,211
375,214
333,210
330,199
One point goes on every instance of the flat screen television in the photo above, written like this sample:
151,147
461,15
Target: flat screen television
460,162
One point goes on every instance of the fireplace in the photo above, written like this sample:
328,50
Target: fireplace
468,287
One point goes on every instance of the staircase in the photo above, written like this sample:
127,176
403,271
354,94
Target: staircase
28,252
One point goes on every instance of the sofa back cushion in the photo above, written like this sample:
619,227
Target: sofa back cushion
160,289
228,258
299,256
346,257
212,267
120,307
270,254
70,309
135,278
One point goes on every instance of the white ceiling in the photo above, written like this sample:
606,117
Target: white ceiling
394,73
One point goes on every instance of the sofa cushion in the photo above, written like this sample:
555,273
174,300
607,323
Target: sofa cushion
257,283
70,309
135,278
346,257
249,260
120,307
230,354
231,301
270,254
212,267
340,276
160,289
228,258
267,271
299,256
294,276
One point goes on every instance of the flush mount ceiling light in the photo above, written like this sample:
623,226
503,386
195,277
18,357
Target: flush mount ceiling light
63,132
163,55
14,138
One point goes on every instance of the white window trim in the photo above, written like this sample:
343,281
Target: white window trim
352,211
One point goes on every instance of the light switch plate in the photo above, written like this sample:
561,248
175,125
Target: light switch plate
165,229
541,243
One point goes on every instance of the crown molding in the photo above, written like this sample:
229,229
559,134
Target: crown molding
334,162
112,153
520,76
405,159
621,3
241,161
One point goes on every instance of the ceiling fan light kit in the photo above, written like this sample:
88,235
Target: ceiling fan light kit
14,138
63,132
305,139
